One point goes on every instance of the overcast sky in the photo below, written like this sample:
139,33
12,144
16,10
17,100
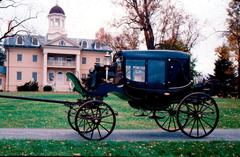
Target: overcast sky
85,17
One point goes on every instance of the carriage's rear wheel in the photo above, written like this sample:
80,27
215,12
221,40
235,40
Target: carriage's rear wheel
95,120
197,115
167,119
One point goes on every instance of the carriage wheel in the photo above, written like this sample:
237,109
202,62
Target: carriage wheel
197,115
167,119
95,120
71,116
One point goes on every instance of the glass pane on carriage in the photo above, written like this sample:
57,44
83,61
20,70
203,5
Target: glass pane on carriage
119,64
135,70
156,73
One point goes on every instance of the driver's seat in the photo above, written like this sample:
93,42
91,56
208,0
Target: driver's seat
77,85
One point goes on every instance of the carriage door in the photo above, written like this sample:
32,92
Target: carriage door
156,74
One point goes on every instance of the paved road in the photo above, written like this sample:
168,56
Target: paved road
117,135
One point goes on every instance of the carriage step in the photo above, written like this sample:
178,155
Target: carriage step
155,117
140,114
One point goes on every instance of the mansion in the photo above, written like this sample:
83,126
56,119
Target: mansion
47,59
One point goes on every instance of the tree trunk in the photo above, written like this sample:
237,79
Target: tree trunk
238,90
149,38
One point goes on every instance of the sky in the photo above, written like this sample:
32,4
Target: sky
85,17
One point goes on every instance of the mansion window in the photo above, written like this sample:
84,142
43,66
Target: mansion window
34,58
62,43
97,60
19,40
84,44
34,41
84,60
19,76
19,57
50,76
98,45
60,76
34,76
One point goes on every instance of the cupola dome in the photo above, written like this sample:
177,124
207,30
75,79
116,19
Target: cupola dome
56,9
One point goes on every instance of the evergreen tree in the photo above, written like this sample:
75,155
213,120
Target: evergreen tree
224,72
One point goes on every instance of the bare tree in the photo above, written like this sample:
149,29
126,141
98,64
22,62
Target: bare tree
15,25
139,16
176,30
233,32
126,40
162,23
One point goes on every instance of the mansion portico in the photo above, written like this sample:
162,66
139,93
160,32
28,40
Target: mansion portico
47,59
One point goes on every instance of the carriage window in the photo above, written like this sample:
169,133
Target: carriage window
135,70
119,64
156,72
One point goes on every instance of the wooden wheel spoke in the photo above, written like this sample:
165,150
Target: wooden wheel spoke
103,110
165,121
174,123
106,122
169,124
189,122
203,127
210,118
106,116
197,128
89,126
104,127
207,123
99,132
192,126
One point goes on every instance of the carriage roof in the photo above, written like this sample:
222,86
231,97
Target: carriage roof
154,54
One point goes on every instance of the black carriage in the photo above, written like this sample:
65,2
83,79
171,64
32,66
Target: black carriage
156,81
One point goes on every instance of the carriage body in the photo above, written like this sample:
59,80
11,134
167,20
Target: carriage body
153,79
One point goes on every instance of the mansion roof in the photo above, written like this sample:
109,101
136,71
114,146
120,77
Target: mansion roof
33,41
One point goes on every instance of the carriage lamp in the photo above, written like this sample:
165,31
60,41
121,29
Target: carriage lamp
107,59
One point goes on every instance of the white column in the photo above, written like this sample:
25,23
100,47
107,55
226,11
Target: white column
45,68
78,65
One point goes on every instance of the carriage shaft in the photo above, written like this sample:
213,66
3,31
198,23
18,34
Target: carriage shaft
37,99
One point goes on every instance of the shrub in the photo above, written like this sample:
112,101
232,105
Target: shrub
29,86
47,88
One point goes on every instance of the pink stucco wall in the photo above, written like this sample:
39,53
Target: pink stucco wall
91,60
26,66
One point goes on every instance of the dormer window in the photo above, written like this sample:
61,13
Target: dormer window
97,45
19,40
34,41
62,43
84,44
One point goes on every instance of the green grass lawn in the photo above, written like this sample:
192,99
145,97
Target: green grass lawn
29,114
153,148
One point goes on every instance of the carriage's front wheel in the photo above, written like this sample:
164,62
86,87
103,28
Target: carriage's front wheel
71,116
95,120
167,119
197,115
